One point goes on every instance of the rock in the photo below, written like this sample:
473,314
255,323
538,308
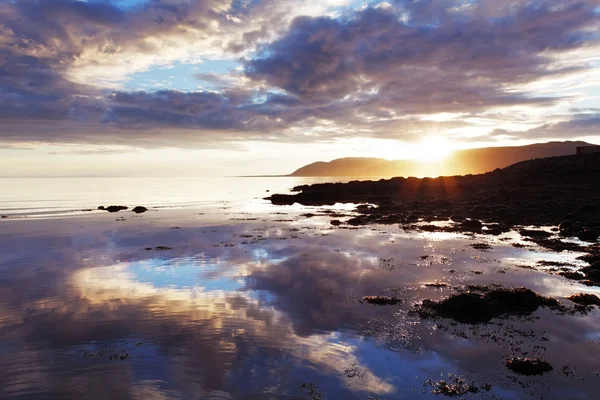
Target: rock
139,209
585,299
381,300
436,284
412,218
528,366
576,276
471,225
473,308
457,218
481,246
587,208
534,233
588,235
363,208
113,209
565,225
335,222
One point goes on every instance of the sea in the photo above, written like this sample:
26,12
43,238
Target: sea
215,293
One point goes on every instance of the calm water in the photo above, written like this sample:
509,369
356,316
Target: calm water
251,301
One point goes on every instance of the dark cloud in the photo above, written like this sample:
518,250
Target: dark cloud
369,73
425,63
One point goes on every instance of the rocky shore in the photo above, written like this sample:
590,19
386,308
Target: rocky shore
558,192
546,191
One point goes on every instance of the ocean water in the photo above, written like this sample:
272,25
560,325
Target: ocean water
57,196
214,293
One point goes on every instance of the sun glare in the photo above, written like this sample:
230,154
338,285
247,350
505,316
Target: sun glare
432,148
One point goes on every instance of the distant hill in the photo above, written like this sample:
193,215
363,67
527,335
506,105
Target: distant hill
461,162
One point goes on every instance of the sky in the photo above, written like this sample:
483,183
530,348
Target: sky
239,87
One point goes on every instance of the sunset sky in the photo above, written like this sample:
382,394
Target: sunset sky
229,87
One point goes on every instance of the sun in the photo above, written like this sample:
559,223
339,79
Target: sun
431,148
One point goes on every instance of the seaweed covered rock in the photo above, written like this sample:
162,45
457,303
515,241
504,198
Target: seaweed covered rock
474,307
528,366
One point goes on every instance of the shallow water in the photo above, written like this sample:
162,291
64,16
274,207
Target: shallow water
251,301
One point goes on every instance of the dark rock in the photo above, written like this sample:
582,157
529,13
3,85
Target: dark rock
381,300
139,209
412,218
528,366
588,235
364,208
585,299
455,387
587,208
457,218
335,222
535,233
436,284
471,225
565,225
113,209
481,246
576,276
475,308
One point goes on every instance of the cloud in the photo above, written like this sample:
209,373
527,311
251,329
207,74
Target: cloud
449,63
580,125
377,72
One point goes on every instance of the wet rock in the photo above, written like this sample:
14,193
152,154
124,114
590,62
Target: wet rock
113,209
585,299
457,218
576,276
335,222
436,284
159,248
412,218
456,386
588,235
364,208
471,225
381,300
495,229
472,307
528,366
139,209
481,246
565,226
535,233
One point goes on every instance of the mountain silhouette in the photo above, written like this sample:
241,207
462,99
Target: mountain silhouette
460,162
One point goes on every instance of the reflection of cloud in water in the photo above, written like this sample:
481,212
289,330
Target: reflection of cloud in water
234,319
220,309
